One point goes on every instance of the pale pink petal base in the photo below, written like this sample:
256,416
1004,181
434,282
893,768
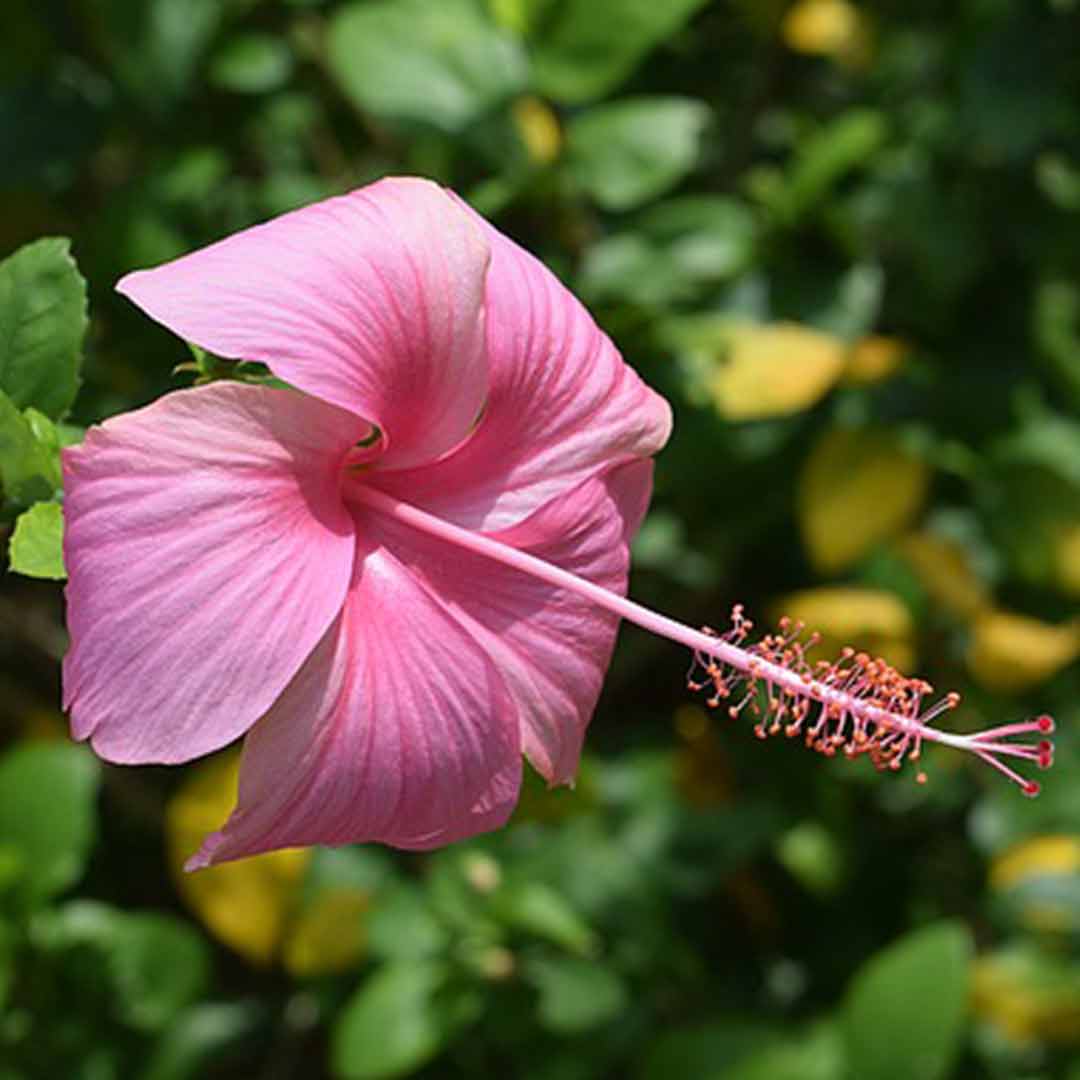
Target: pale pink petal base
398,729
207,550
371,301
562,404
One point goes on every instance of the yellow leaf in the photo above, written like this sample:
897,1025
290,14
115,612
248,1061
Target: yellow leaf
1036,857
1066,547
834,28
247,904
945,572
773,370
539,129
857,488
870,620
1010,653
874,358
1028,995
329,935
1044,909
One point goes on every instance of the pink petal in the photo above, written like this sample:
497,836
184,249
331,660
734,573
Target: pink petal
562,405
371,301
208,550
398,729
551,647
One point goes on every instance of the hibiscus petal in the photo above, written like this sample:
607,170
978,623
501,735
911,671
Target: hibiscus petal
562,404
398,730
551,647
371,301
208,549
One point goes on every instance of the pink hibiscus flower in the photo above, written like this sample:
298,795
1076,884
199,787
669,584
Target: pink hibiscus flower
235,561
406,572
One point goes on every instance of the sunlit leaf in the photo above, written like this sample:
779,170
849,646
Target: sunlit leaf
1009,653
539,129
870,620
904,1012
752,372
857,488
1028,993
944,569
329,934
1066,545
873,359
248,904
834,28
1039,883
36,545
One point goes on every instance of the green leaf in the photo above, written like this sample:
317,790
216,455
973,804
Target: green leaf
29,467
36,548
159,965
47,796
575,995
156,46
586,48
630,151
443,64
402,925
904,1014
826,157
706,1051
817,1055
397,1021
196,1035
537,909
674,252
42,324
252,64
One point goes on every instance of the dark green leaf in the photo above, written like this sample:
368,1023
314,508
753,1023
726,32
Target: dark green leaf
42,324
584,48
156,46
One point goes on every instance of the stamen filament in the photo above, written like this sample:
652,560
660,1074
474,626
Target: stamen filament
864,706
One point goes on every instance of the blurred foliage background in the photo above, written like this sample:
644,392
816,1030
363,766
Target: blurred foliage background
844,239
